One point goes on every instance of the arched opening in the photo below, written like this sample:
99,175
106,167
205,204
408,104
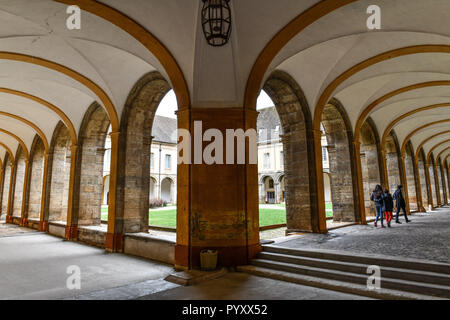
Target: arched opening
59,172
19,181
91,167
153,189
421,166
370,163
410,174
6,183
392,153
135,160
37,158
288,127
167,187
327,190
338,134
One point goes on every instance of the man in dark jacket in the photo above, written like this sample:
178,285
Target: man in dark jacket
400,203
377,198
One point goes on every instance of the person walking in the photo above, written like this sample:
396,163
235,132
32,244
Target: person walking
388,207
377,198
400,203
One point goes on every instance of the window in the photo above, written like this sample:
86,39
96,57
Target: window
324,154
271,184
266,160
152,160
168,161
282,158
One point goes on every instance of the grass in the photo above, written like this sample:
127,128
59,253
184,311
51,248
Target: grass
267,217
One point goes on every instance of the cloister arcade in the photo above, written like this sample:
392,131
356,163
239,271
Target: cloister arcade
382,98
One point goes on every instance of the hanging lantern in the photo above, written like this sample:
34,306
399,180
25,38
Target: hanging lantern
216,21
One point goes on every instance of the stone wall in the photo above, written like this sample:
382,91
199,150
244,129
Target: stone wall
19,182
133,180
298,147
423,182
340,165
90,161
36,178
411,182
60,176
6,180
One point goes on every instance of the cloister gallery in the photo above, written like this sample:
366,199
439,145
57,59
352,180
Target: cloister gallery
380,96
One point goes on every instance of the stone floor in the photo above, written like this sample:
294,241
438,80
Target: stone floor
34,265
240,286
426,237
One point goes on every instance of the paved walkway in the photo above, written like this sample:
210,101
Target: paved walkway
426,237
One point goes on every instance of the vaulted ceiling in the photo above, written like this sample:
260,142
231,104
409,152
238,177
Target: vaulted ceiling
399,75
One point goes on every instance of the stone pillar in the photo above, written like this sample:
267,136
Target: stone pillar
262,196
437,184
72,223
114,237
217,204
430,182
43,219
421,190
444,186
9,214
26,183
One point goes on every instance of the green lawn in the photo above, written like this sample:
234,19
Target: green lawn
267,217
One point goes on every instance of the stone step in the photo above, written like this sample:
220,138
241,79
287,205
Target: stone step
382,261
360,268
386,283
345,287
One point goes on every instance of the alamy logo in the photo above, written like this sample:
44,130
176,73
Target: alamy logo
235,146
73,22
74,280
374,280
374,20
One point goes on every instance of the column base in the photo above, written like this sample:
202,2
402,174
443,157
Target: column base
43,226
71,233
9,219
23,222
114,242
422,209
227,257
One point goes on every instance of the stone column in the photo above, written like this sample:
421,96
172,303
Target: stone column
72,223
43,219
436,181
9,214
420,191
217,204
26,183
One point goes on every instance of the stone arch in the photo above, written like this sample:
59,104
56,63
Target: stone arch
90,163
344,190
20,167
58,176
167,186
34,193
392,157
133,180
153,188
6,178
371,165
411,177
298,148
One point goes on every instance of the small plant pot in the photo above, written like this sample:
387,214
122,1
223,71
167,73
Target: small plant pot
208,260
